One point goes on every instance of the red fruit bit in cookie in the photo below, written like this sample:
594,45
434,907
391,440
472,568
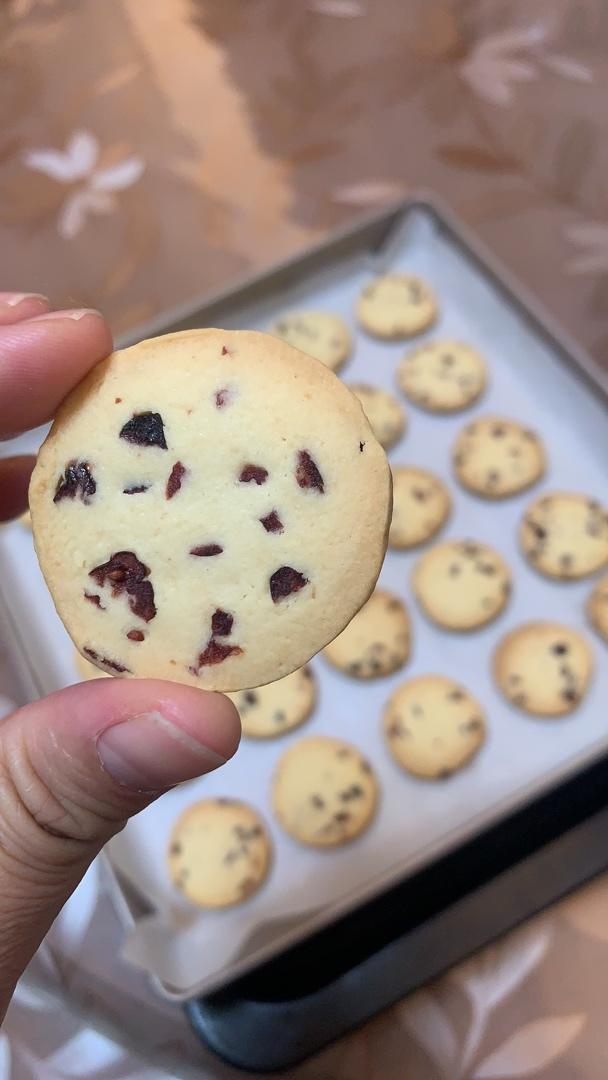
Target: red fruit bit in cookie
126,574
285,581
174,482
117,400
216,652
222,397
145,429
225,351
113,664
76,482
272,522
95,599
136,635
206,550
253,472
221,623
307,473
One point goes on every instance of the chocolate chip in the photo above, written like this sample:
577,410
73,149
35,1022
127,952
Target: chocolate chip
519,700
247,886
498,431
417,710
113,664
456,694
95,599
145,429
279,717
354,667
174,482
117,400
307,473
365,766
136,635
493,477
175,849
566,561
221,397
250,698
285,581
569,694
342,816
394,730
126,573
77,482
255,473
537,529
136,490
206,550
355,791
361,445
225,351
447,359
560,648
272,522
317,801
419,494
343,752
215,652
471,725
454,570
221,623
486,568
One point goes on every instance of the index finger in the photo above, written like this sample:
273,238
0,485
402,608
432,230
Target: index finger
41,360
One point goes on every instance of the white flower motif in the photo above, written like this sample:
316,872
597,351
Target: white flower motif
77,165
592,238
495,63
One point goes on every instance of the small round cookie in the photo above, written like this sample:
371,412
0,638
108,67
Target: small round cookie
495,457
383,411
433,726
565,535
396,306
277,707
421,505
210,507
376,642
318,333
219,853
324,792
597,608
442,376
543,668
86,669
461,584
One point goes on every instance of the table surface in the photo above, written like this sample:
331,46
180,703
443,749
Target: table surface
152,152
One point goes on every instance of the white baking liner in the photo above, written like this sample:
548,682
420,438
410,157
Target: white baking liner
191,951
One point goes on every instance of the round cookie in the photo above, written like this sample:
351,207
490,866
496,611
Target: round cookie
433,726
324,792
597,608
565,535
442,376
421,505
318,333
461,584
495,457
210,507
383,411
396,306
376,642
543,668
86,669
219,853
277,707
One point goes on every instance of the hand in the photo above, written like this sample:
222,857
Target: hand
76,765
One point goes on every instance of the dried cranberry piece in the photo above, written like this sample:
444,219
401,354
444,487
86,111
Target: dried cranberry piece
216,651
174,482
221,623
126,574
207,549
285,581
145,429
113,664
307,473
95,599
76,482
225,351
136,635
272,522
222,397
136,490
253,472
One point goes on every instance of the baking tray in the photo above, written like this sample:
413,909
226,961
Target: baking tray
537,377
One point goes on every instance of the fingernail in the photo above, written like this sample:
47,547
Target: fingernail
76,314
14,299
150,753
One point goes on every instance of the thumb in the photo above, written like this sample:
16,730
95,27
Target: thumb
73,768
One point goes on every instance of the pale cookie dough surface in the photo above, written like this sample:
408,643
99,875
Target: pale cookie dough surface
442,376
421,506
543,668
433,726
383,411
277,707
376,642
86,669
495,457
597,608
324,792
318,333
396,306
565,535
219,853
461,585
210,507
